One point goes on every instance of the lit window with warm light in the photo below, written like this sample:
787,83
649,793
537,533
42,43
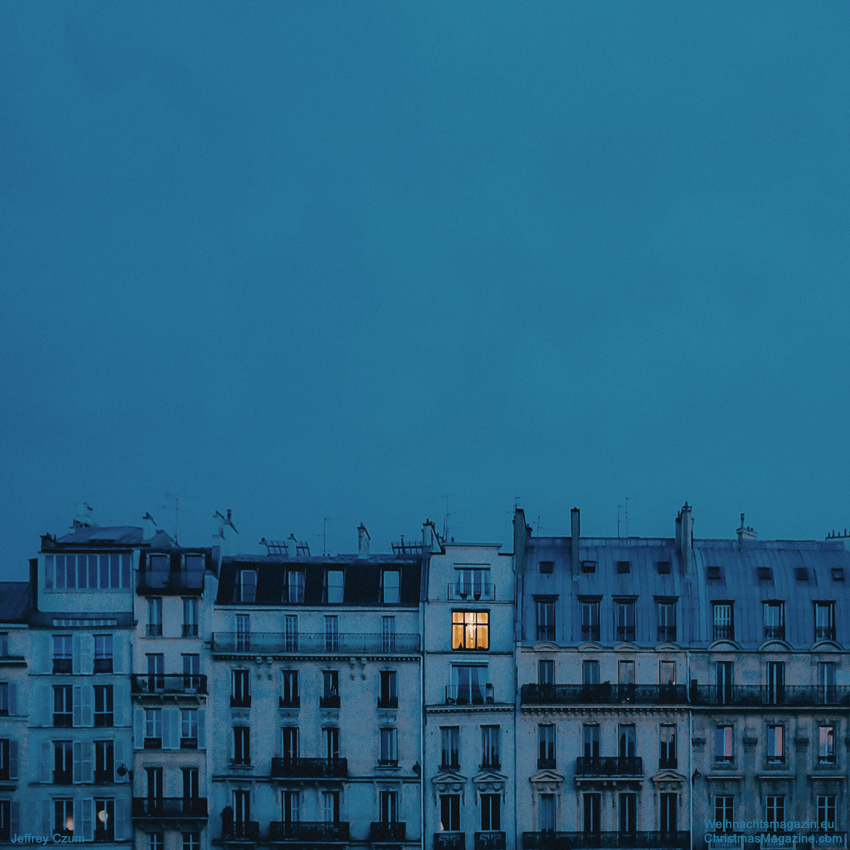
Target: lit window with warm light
470,630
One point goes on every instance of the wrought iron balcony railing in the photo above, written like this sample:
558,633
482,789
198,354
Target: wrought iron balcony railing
169,807
749,695
471,592
241,830
382,832
469,694
602,694
167,582
609,766
449,840
309,768
312,642
490,840
171,684
308,831
551,840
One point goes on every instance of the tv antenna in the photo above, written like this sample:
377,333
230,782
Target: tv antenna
446,516
177,511
625,518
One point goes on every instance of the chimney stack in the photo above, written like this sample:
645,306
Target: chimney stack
362,541
745,532
225,533
431,543
685,536
83,515
149,528
575,532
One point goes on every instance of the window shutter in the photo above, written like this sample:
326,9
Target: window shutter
45,818
46,707
118,760
87,771
78,761
13,698
139,729
87,818
86,654
170,721
119,703
202,729
45,643
13,759
118,654
120,819
44,767
86,711
76,654
77,694
16,817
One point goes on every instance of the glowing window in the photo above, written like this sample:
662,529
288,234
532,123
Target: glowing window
470,630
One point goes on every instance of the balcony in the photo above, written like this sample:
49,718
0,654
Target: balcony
169,582
308,831
603,694
312,642
387,702
329,701
158,808
241,701
606,766
724,632
755,695
171,685
309,768
62,665
484,592
469,694
449,841
550,840
828,839
492,840
381,833
246,830
289,702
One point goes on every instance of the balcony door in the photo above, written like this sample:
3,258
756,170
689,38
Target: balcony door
592,822
668,814
241,810
775,682
725,677
628,814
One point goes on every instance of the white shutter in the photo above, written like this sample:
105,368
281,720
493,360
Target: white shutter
121,702
13,759
202,729
170,728
76,654
120,819
44,766
77,694
13,698
118,760
78,761
46,706
86,654
139,729
46,822
86,712
86,819
87,766
16,817
118,652
45,644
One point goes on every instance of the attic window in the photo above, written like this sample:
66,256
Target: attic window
664,568
588,566
547,567
838,573
765,573
623,567
714,573
801,574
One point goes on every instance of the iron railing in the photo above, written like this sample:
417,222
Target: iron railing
750,695
176,683
602,694
609,766
470,592
168,582
449,840
169,807
307,830
313,642
551,840
310,768
380,831
490,840
469,694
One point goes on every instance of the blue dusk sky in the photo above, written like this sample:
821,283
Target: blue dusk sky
331,263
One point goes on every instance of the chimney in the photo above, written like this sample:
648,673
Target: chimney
575,531
82,515
225,533
149,528
520,539
362,541
685,536
745,532
431,543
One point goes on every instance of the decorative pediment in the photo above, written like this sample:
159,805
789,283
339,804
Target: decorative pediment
545,646
667,779
546,781
490,782
724,646
774,645
827,646
449,782
667,647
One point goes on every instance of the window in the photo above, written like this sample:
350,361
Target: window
545,619
714,573
724,672
824,621
104,761
388,806
664,568
626,741
104,819
332,634
155,629
190,617
590,672
63,816
62,654
666,619
63,707
491,813
449,747
334,580
156,671
801,574
589,619
623,567
591,820
546,745
247,585
588,567
191,673
290,632
624,619
330,689
826,745
103,705
774,620
775,811
668,813
490,747
5,700
7,830
724,624
189,728
547,812
388,634
470,630
240,695
826,682
628,813
667,756
724,812
103,653
547,567
388,694
723,752
289,743
389,748
289,689
626,681
87,572
63,763
838,573
241,813
390,587
826,813
191,783
154,783
468,685
776,682
191,841
472,582
764,574
7,769
775,744
243,632
666,673
546,672
153,728
293,589
4,644
330,737
449,812
291,805
241,745
330,806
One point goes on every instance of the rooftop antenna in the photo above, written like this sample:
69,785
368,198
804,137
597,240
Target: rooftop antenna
625,518
446,516
177,511
325,521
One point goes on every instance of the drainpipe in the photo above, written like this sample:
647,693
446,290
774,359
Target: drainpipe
690,754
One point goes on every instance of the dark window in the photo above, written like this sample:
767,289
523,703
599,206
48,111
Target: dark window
546,745
590,740
491,818
590,672
330,689
588,566
547,567
592,819
624,619
62,762
589,619
104,761
628,813
826,744
389,748
103,653
546,672
664,568
449,812
241,745
545,619
774,620
104,819
62,706
666,619
765,574
289,688
723,745
824,621
801,574
669,813
667,756
724,812
775,744
449,747
241,694
103,706
62,654
490,757
838,573
714,573
388,695
724,623
624,567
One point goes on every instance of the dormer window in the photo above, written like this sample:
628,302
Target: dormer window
293,587
714,573
390,587
588,567
623,567
247,585
334,580
774,620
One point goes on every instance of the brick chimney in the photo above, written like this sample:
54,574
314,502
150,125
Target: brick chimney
362,541
745,533
685,537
